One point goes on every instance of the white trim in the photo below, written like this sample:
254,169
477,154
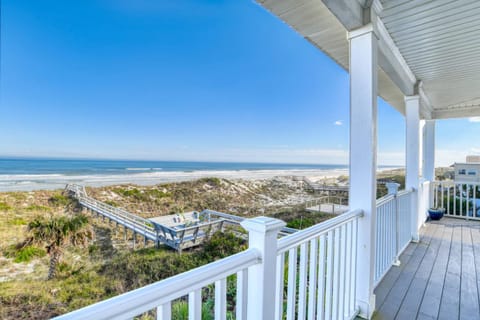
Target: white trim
386,39
426,107
377,6
361,31
456,112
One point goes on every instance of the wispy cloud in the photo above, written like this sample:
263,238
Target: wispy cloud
338,123
474,119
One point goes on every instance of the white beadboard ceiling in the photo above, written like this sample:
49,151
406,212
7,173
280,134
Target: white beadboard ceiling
439,40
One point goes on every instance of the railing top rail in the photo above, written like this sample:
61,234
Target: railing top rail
405,192
389,197
452,183
223,215
135,302
293,240
385,199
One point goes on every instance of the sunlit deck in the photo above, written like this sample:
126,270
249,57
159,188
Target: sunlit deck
439,277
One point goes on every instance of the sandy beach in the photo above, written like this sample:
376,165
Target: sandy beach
56,181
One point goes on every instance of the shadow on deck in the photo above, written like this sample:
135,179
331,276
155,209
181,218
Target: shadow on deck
439,277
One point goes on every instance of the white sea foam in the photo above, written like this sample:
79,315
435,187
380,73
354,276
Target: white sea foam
55,181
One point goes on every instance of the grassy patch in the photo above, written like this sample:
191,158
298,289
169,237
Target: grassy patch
214,182
17,222
35,207
5,207
141,195
111,203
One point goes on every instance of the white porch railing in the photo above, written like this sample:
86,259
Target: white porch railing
319,263
321,276
460,200
393,230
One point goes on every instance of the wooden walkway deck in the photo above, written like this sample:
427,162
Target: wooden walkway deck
439,277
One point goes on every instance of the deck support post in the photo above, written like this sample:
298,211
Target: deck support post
363,158
412,152
262,236
429,150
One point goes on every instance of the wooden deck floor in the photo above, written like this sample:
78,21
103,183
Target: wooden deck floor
439,277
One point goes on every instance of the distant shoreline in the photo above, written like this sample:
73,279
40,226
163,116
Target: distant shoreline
31,182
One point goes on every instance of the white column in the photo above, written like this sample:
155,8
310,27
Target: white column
363,157
413,144
429,151
262,235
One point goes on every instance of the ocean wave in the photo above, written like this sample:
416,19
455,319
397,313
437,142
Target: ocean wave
143,169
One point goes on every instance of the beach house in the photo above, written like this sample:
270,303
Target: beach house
380,259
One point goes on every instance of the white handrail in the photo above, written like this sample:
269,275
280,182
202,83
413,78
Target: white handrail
293,240
393,230
141,300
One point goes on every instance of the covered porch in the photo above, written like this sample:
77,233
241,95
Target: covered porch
439,276
379,259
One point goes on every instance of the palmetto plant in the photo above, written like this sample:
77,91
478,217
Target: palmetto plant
58,231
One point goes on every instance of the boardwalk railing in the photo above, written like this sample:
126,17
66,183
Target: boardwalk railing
133,222
321,275
178,238
460,200
315,186
393,230
330,204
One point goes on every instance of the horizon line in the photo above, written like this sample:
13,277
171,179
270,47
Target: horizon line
55,158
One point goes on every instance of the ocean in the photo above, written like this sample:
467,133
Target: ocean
33,174
109,167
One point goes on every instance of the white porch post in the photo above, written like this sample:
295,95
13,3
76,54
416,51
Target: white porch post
429,151
412,174
363,157
262,235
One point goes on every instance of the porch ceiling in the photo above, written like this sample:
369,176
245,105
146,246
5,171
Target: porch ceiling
435,42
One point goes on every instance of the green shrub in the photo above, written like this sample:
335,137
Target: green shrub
59,200
301,223
221,245
180,310
24,254
148,265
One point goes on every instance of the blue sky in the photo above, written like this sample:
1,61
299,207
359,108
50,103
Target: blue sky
180,80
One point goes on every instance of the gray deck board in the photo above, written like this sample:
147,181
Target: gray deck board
469,308
414,296
433,293
450,303
439,277
393,301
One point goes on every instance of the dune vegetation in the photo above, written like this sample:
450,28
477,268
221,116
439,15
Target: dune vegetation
87,274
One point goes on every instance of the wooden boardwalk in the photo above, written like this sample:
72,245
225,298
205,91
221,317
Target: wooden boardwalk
439,277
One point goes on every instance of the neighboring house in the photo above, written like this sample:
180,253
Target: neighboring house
467,172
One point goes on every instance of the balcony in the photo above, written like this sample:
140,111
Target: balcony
438,277
379,259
